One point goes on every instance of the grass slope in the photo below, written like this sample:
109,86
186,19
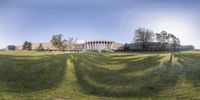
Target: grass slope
107,76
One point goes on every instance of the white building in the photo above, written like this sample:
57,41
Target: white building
94,45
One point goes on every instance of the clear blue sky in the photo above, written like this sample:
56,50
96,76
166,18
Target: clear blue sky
38,20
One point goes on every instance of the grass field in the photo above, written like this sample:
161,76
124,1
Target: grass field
99,76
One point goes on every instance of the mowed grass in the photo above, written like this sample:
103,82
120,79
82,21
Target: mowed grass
99,76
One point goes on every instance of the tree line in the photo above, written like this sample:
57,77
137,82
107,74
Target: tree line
145,36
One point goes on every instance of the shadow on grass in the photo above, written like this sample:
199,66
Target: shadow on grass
190,67
104,82
31,73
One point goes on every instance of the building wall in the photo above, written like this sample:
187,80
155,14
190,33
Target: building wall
46,46
118,47
156,46
186,47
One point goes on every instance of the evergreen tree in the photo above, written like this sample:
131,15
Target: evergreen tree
27,46
40,47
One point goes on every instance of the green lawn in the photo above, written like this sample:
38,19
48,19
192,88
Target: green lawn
99,76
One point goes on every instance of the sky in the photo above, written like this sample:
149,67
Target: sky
38,20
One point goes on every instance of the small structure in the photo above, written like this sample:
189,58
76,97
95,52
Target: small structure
186,47
157,46
11,47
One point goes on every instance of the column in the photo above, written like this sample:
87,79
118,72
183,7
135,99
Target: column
95,45
104,45
89,45
101,45
85,46
92,45
111,45
108,45
98,45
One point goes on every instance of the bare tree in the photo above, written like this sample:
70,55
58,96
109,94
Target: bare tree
143,36
70,41
162,38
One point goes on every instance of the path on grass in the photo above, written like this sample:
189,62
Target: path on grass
70,76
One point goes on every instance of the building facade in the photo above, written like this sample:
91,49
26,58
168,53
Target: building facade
103,45
94,45
99,45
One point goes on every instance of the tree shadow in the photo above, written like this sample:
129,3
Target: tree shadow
169,62
190,67
104,82
122,55
26,74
